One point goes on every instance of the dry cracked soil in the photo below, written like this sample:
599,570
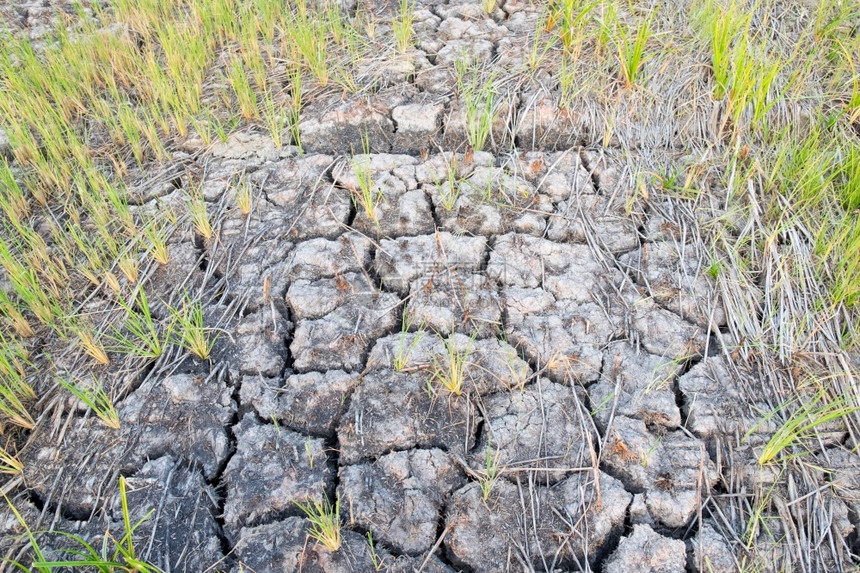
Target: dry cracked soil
596,388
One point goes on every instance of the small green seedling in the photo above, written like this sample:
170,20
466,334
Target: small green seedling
374,556
491,472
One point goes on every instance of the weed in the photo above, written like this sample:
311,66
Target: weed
94,396
488,5
325,521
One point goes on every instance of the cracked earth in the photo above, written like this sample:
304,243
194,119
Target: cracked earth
597,374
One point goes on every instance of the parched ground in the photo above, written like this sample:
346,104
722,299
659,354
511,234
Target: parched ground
612,409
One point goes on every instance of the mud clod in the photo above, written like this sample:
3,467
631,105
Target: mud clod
646,551
272,470
399,497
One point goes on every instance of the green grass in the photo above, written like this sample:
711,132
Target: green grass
491,472
630,46
801,424
199,214
140,335
403,353
115,554
94,105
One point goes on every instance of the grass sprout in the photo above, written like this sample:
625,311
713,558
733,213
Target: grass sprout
156,233
449,370
94,396
200,215
368,195
325,522
143,337
243,195
403,26
480,100
491,471
295,109
802,423
404,351
187,329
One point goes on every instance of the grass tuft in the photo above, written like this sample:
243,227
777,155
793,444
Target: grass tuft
450,369
325,522
94,396
188,330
